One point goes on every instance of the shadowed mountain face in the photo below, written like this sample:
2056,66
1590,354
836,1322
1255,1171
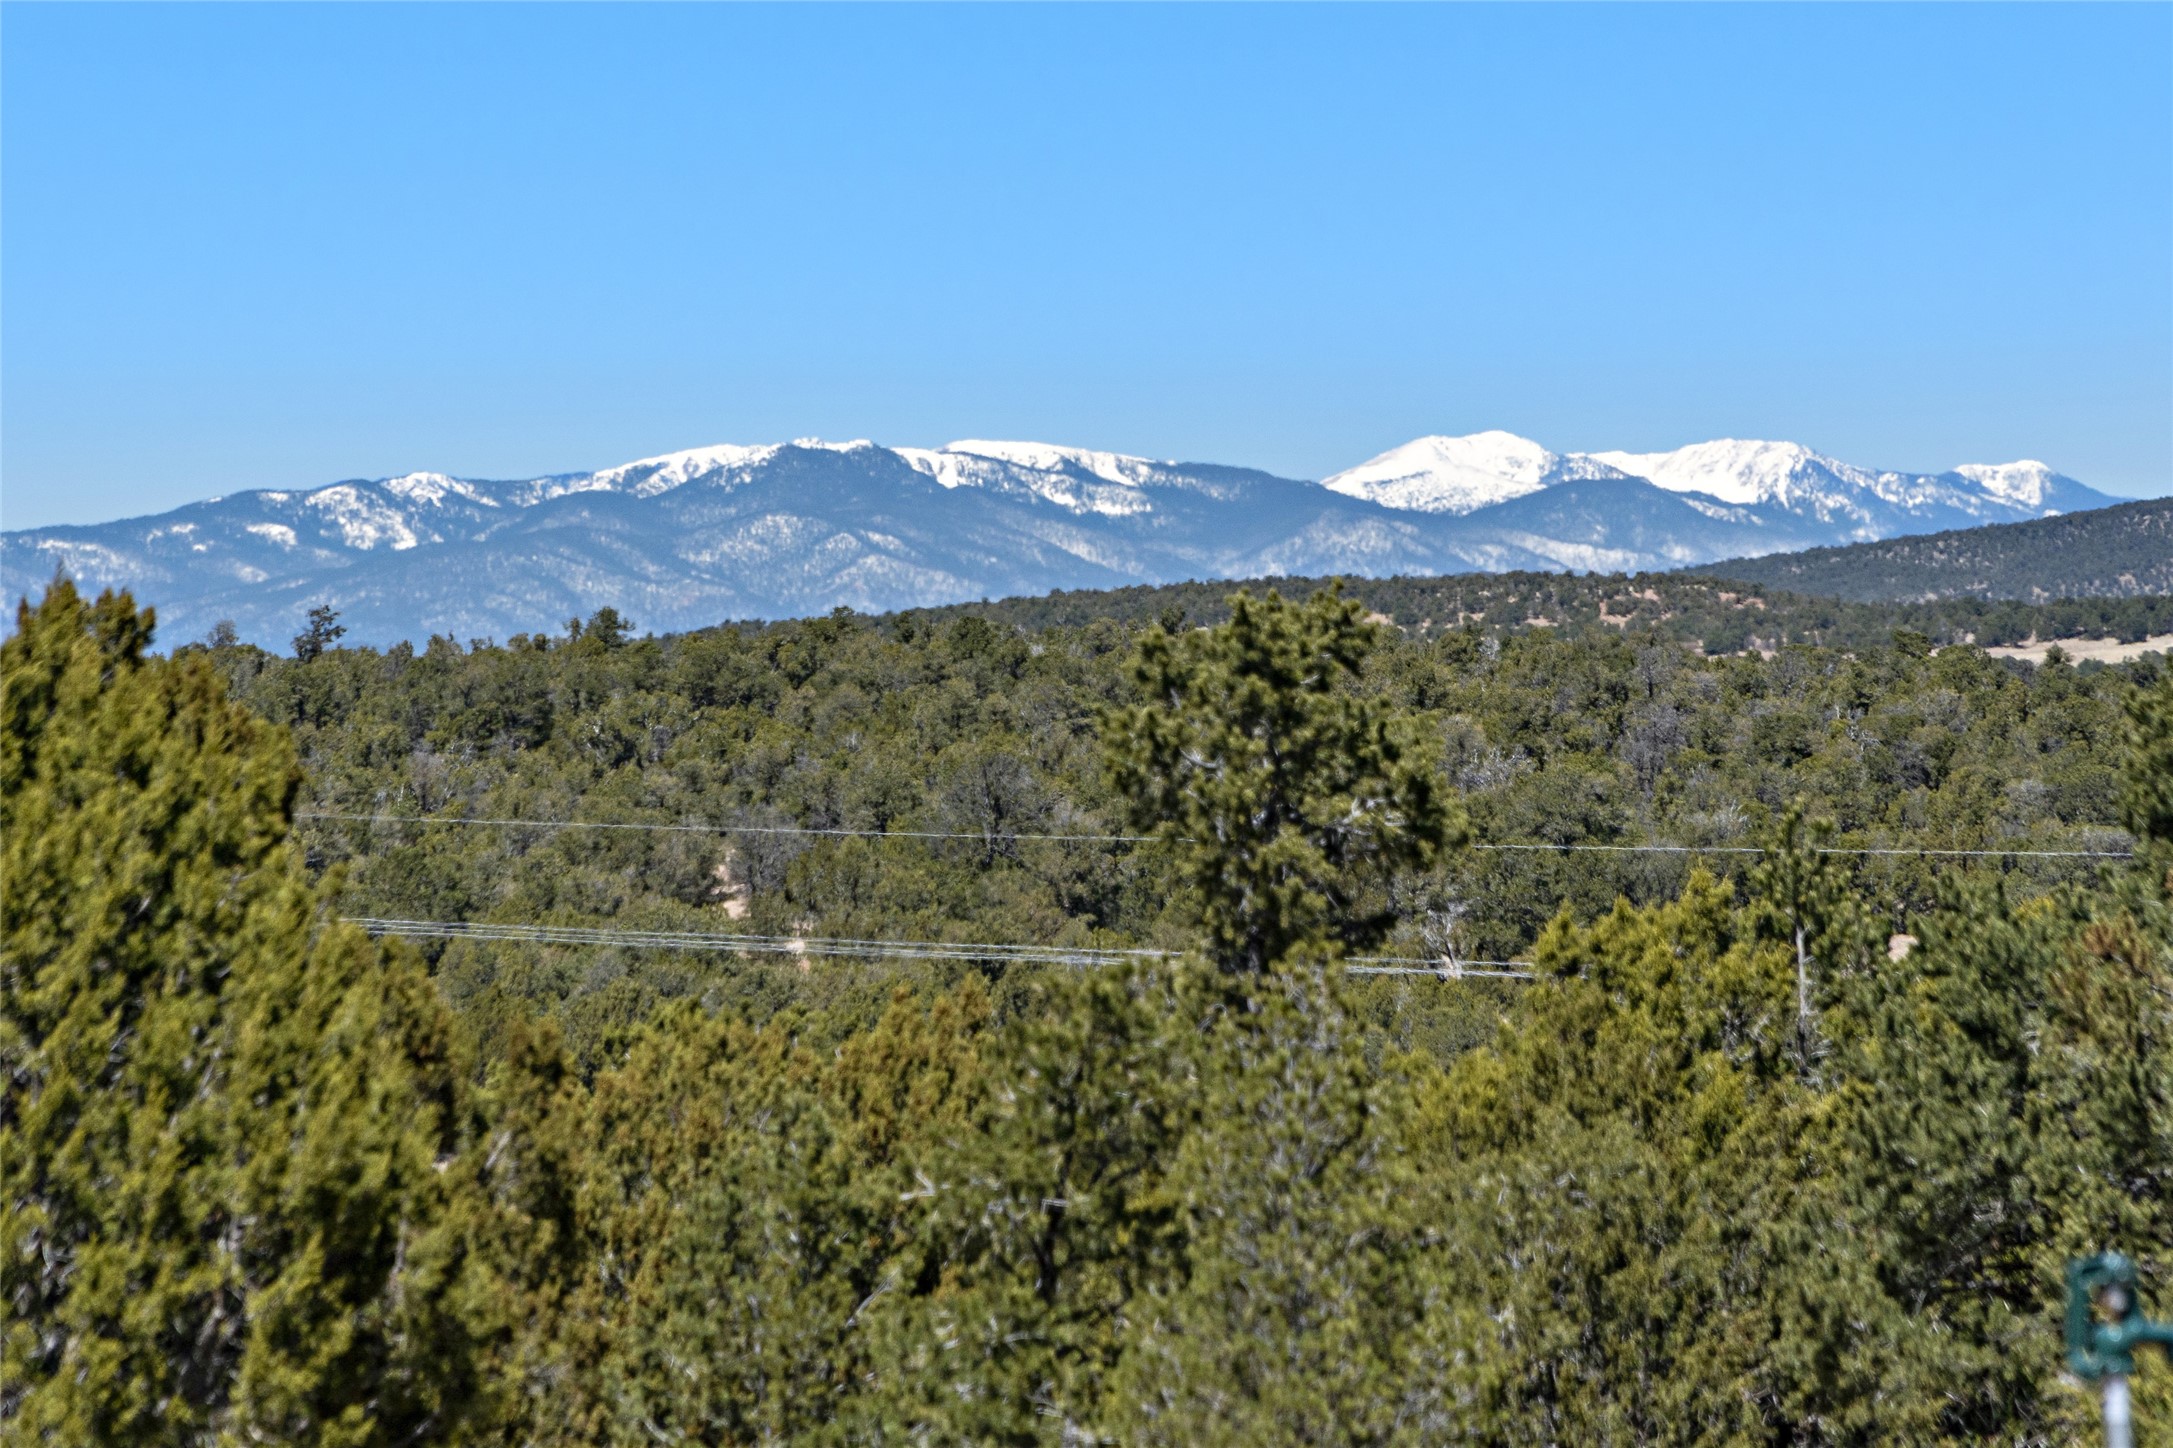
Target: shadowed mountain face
694,538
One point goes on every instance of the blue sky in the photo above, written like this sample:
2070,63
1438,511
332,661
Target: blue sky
274,246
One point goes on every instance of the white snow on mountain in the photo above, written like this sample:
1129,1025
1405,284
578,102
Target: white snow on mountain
662,473
1049,457
1737,471
434,488
1046,478
364,519
1857,502
647,477
950,469
2024,484
1437,474
1460,474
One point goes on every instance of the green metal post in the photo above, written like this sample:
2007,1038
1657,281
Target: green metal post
2105,1324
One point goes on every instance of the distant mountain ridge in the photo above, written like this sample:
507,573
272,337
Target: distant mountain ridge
1463,474
2125,551
690,538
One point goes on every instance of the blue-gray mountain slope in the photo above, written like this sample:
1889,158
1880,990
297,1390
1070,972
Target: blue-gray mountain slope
695,538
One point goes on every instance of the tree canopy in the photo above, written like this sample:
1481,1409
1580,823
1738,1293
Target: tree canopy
1783,1147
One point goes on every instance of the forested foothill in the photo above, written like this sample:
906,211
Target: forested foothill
1775,1144
2125,551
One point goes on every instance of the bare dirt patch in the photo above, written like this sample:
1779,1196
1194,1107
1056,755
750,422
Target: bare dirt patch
2108,651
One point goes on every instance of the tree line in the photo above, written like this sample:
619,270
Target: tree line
1738,1165
1744,606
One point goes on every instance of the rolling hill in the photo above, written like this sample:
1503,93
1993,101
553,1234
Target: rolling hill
2125,551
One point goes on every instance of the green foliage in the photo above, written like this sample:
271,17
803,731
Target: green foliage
1299,1298
323,631
961,725
1728,1170
1044,1215
221,1214
1286,798
720,1215
724,1168
1614,1169
2147,802
1674,1231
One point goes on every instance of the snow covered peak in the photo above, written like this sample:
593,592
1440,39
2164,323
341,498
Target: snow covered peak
1459,474
1050,457
2026,484
950,469
1738,470
646,477
858,444
669,470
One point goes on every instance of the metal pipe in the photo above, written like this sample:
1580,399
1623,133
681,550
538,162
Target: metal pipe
2119,1425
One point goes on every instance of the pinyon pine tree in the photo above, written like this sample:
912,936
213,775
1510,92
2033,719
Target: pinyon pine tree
1287,795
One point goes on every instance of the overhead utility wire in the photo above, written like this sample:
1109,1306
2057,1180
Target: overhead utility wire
1537,848
1820,850
753,944
874,949
714,829
1443,969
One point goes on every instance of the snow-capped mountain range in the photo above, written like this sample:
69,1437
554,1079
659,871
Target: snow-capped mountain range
693,538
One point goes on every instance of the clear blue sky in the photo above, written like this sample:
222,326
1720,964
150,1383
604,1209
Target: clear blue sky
248,247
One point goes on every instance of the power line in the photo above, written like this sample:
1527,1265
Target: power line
752,944
715,829
1531,847
871,949
1443,969
1818,850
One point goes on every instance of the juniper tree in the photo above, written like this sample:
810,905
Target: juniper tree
1605,1182
222,1113
1139,1233
1298,1294
1037,1221
738,1229
2147,801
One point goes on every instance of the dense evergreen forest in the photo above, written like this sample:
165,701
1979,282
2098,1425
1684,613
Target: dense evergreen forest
955,725
1777,1143
1711,615
2119,552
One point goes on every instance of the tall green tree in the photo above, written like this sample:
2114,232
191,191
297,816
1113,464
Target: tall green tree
1285,795
1731,1174
223,1115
